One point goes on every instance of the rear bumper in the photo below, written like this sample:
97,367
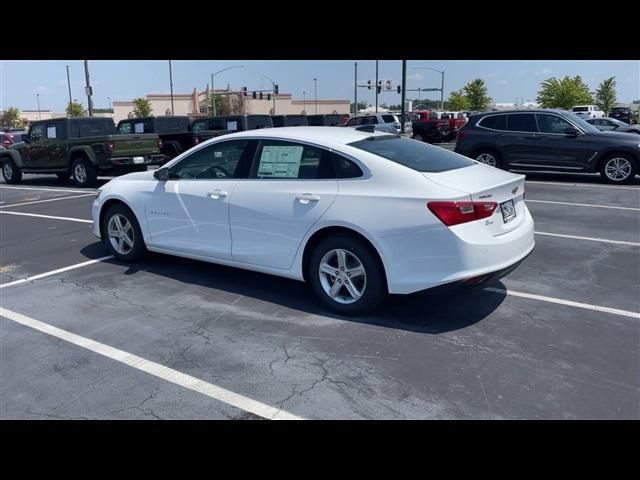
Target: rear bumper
128,161
422,260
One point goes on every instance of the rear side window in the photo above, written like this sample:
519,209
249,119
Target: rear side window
495,122
345,168
88,128
521,122
278,121
416,155
259,121
389,118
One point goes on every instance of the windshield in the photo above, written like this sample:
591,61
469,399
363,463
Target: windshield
417,155
582,123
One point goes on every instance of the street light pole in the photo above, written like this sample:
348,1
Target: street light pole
403,96
109,100
88,88
69,84
355,92
304,102
38,100
213,92
376,86
273,86
441,72
315,88
171,86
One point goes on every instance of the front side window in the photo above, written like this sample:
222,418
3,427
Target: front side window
389,119
289,160
521,122
552,124
416,155
353,122
217,161
124,128
37,133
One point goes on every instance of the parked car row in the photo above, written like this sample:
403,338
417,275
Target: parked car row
549,140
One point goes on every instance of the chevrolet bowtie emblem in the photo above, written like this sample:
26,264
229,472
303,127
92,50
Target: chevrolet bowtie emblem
514,190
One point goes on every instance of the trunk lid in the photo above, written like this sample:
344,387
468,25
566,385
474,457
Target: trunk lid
487,184
127,145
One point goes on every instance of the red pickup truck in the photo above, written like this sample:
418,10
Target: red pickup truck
451,121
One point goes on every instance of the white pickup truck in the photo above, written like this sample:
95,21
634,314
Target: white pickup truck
588,111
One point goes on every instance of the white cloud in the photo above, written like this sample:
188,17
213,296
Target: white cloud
544,71
494,74
416,76
503,82
42,89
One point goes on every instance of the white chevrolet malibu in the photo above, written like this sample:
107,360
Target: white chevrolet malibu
356,214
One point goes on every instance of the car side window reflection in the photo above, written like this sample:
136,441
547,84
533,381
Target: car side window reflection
551,124
214,162
37,132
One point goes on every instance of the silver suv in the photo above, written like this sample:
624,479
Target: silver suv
384,122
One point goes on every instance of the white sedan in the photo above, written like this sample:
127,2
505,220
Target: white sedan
356,214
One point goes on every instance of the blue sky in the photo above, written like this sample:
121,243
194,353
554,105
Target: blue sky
125,80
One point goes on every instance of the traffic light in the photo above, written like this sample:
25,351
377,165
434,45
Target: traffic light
255,95
260,95
268,96
275,89
369,84
399,89
379,88
244,90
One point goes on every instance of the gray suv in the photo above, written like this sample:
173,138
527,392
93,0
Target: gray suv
549,140
384,122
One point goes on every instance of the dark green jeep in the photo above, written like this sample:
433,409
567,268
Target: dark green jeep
79,148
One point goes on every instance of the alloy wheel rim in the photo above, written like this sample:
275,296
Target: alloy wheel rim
80,173
617,169
120,233
487,159
7,170
342,276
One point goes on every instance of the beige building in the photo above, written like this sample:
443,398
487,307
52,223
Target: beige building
195,104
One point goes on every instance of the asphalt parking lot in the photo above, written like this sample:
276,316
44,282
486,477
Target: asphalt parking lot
84,336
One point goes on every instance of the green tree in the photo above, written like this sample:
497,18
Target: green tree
606,95
75,109
361,106
563,93
458,101
476,94
142,108
11,118
223,106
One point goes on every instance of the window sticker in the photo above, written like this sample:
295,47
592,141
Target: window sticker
232,125
280,161
138,127
217,154
51,132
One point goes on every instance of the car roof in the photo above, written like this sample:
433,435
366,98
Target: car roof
336,135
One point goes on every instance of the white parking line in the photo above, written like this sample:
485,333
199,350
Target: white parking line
53,272
569,303
591,239
48,200
69,219
45,189
160,371
617,187
583,205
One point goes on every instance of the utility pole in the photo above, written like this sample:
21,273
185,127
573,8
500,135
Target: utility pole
304,101
88,88
69,84
376,86
355,93
109,100
404,89
38,100
171,86
315,88
442,93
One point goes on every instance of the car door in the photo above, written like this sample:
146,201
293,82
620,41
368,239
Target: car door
32,154
520,141
53,152
291,185
190,212
556,148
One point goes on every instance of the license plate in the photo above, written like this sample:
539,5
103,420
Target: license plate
138,159
508,211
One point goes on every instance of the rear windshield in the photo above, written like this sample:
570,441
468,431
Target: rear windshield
417,155
580,109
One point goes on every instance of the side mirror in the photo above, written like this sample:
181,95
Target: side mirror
572,132
161,174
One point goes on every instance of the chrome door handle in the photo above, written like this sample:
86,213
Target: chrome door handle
217,194
307,197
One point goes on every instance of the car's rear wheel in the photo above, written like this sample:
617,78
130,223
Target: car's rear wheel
346,275
121,234
83,173
10,171
488,157
418,137
618,168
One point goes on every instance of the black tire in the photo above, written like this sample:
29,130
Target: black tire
139,249
418,137
63,177
10,171
485,153
621,158
83,173
375,288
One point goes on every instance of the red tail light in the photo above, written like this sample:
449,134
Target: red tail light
455,213
462,135
110,146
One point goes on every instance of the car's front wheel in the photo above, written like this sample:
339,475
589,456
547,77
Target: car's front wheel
10,171
121,234
618,168
346,275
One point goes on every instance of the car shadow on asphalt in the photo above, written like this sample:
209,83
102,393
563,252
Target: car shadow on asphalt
47,181
423,312
584,178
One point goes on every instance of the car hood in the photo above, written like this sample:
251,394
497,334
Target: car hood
136,176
